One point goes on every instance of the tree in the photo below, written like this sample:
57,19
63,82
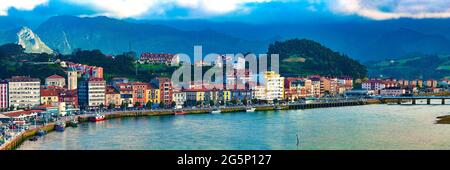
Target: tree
245,102
101,106
211,103
254,101
137,104
161,105
275,101
111,106
173,104
234,101
149,105
123,105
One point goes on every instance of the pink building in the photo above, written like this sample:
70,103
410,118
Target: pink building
3,95
92,71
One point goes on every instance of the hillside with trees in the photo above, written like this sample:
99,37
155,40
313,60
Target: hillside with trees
301,57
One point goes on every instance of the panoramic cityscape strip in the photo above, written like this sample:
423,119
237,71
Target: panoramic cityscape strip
82,93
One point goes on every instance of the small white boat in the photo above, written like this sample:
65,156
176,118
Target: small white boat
216,111
250,109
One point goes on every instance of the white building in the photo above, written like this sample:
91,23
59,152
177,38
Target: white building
393,91
91,93
72,77
24,92
179,98
272,87
377,85
55,80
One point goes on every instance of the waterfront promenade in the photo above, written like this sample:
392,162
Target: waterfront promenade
24,135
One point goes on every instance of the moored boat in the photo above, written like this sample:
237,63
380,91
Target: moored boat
73,123
180,112
216,111
41,132
97,118
34,138
250,109
278,108
60,126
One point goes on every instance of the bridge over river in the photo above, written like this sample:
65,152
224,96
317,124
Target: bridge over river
399,99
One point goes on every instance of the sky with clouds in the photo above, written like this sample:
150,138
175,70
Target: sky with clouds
239,9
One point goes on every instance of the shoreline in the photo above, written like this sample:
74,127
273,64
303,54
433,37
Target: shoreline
25,135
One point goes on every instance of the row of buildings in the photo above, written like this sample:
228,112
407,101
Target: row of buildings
95,92
394,87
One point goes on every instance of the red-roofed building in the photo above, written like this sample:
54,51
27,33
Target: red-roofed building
22,114
55,80
49,97
70,97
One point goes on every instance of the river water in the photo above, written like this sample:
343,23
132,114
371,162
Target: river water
355,127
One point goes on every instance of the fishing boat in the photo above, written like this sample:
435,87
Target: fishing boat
41,132
180,112
278,108
250,109
60,126
73,123
216,111
97,118
34,138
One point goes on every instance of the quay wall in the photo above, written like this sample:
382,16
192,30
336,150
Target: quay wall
14,143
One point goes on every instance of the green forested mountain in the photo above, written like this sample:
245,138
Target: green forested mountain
12,63
412,67
301,57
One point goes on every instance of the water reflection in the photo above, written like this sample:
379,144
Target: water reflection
358,127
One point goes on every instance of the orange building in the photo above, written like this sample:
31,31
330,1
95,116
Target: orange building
139,92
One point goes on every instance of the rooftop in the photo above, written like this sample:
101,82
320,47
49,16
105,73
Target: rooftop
21,112
54,76
23,79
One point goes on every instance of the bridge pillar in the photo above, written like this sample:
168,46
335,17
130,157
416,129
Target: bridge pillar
428,101
443,101
413,101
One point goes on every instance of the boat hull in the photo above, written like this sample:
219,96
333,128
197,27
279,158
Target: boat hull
251,110
60,128
96,119
180,113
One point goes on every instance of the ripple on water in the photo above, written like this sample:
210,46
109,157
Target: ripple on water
357,127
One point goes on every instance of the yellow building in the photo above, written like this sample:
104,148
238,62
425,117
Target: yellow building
49,97
112,97
153,95
226,95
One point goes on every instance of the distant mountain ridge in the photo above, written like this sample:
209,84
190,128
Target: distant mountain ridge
364,40
412,67
66,33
